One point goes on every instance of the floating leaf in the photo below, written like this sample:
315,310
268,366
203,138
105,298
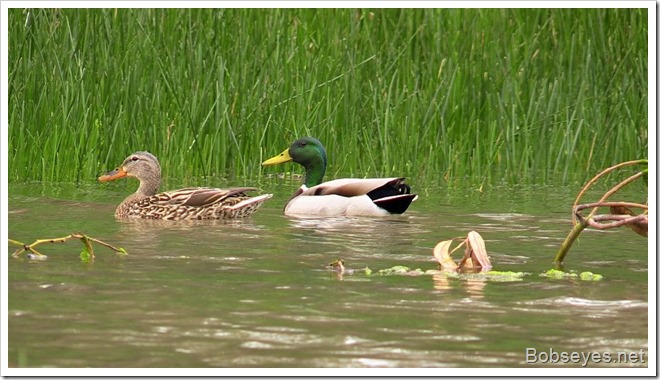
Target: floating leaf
475,257
478,254
441,254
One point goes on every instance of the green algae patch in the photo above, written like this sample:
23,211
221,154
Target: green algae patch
400,269
498,276
584,276
588,276
505,276
490,276
493,276
559,274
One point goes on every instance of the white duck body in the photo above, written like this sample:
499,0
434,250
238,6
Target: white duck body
351,197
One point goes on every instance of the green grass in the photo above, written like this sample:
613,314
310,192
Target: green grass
465,96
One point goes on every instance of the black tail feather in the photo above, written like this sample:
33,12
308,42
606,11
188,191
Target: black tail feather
394,187
396,204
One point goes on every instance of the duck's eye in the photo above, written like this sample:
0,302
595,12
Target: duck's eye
303,143
134,158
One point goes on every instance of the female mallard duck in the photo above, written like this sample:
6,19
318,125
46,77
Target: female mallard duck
184,204
346,196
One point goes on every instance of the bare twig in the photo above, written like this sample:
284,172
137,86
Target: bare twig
86,240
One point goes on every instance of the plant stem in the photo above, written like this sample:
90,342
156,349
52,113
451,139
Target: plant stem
568,242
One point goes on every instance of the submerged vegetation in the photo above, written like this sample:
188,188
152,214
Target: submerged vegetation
474,96
86,255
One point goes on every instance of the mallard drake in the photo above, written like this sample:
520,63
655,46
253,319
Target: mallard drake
184,204
339,197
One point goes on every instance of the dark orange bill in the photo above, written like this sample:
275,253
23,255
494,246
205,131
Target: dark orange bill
110,176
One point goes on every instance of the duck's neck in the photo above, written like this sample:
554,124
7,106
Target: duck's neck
314,171
148,186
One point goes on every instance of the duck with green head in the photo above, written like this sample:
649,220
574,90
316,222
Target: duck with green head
339,197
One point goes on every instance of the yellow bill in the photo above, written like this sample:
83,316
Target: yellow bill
279,159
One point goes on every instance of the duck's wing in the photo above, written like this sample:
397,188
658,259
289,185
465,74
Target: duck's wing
352,196
199,196
375,188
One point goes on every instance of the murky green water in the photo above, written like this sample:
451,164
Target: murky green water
255,293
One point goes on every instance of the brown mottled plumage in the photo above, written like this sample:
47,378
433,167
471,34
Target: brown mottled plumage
184,204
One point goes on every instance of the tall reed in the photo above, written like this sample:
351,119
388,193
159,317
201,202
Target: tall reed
458,95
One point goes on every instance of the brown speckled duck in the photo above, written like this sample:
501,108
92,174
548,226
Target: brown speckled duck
191,203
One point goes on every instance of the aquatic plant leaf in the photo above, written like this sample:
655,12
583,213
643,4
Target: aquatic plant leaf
639,227
87,254
85,257
477,254
466,261
442,256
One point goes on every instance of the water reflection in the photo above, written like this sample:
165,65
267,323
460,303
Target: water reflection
374,238
150,235
355,226
474,287
138,225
